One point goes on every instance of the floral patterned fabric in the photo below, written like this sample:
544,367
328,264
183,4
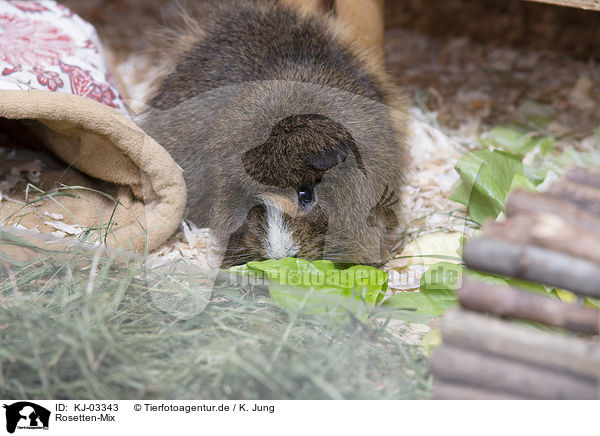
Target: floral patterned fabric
44,45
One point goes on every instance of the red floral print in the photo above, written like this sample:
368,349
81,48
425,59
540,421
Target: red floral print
49,78
80,79
29,6
15,69
37,37
32,42
82,83
89,44
66,11
102,93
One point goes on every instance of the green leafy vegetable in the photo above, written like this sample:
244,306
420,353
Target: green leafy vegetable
436,293
535,115
487,177
516,140
593,302
555,163
521,182
439,283
318,287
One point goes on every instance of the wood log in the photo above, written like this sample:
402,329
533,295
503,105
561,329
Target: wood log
366,19
521,201
584,176
310,6
547,231
474,331
581,4
454,391
535,264
583,196
461,366
514,303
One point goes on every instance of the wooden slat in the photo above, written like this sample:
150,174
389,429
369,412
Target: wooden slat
494,336
366,18
490,372
535,264
581,4
514,303
457,391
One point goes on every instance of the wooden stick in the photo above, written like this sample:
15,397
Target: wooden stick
454,391
547,231
490,372
584,176
310,6
581,4
522,201
584,197
465,329
535,264
510,302
366,19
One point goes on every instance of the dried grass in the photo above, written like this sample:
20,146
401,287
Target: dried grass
77,323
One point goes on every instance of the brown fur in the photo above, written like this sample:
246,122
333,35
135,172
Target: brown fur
265,100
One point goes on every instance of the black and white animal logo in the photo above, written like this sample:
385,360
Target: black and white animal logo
26,415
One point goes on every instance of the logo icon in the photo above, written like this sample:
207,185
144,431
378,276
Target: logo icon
26,415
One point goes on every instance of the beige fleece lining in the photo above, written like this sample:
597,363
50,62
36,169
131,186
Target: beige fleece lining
102,143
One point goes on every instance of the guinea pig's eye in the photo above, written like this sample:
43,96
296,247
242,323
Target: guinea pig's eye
306,196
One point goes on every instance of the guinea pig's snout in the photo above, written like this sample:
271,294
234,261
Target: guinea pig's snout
291,233
267,233
279,241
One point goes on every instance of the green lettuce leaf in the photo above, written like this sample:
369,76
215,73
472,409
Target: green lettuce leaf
487,177
318,286
437,291
516,140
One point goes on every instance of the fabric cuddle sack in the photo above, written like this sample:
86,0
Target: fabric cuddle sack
72,163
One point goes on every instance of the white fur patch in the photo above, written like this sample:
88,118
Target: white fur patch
279,243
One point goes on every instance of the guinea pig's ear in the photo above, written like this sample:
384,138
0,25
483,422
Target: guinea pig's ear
330,157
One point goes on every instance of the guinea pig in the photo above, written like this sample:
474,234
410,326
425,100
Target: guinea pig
292,142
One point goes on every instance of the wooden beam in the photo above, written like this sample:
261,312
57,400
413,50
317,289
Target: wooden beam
526,202
514,303
581,4
455,391
473,368
366,19
534,264
546,231
470,330
310,6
